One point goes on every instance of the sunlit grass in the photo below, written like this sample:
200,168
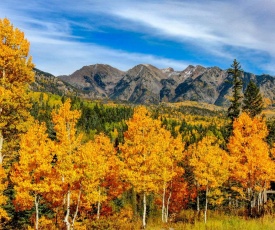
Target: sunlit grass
217,222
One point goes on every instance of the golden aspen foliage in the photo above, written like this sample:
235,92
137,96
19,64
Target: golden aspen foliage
210,165
139,152
209,162
148,154
3,199
171,154
16,64
15,75
251,164
67,144
100,168
32,175
67,154
93,168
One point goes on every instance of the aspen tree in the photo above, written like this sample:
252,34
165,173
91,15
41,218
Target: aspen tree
68,143
32,175
251,164
147,155
209,164
15,74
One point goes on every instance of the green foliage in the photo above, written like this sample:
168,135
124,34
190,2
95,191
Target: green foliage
253,102
271,131
236,73
95,117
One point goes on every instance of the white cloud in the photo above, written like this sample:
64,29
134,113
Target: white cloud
210,22
56,50
218,29
67,57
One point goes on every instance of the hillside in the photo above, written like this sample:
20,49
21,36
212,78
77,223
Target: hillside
46,82
148,84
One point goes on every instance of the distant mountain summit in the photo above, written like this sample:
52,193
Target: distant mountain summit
97,81
141,84
145,83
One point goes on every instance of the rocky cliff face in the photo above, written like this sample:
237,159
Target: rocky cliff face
147,84
141,84
97,81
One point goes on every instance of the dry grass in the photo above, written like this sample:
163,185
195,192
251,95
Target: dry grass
217,222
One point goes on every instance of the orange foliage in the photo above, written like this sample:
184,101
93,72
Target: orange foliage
251,164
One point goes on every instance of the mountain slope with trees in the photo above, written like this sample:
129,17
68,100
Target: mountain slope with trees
147,84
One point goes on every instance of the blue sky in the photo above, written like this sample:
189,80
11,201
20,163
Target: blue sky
66,35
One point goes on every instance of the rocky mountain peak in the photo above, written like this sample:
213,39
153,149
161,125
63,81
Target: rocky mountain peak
144,83
167,70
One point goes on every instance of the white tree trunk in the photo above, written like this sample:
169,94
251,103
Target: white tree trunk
98,204
66,220
163,204
1,148
77,206
144,211
206,203
167,206
36,202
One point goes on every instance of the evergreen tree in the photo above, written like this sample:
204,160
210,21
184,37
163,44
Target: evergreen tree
236,73
253,101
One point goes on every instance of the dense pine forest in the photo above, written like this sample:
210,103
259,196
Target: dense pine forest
72,163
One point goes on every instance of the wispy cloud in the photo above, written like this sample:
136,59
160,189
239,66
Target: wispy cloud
209,22
72,56
211,32
211,26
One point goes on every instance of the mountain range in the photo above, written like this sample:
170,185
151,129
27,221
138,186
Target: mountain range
146,84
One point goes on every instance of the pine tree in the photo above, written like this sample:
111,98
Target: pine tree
236,73
253,101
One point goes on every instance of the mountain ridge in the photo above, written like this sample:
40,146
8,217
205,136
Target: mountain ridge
145,84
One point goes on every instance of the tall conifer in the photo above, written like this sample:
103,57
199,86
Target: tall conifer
253,101
236,73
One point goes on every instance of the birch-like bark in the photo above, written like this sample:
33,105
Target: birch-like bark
98,204
1,147
77,207
167,205
36,202
163,204
144,211
66,219
206,203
